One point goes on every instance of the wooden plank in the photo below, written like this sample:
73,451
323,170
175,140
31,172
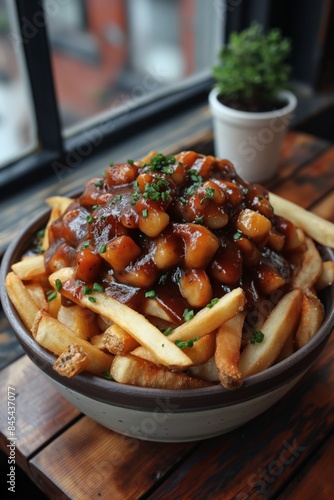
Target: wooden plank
10,349
312,182
40,411
89,461
316,479
261,457
297,150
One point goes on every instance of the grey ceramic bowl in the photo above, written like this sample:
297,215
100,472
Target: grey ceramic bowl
167,415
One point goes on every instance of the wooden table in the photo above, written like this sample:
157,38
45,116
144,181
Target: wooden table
287,452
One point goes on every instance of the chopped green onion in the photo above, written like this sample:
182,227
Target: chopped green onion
168,331
212,303
51,295
188,315
59,285
199,220
40,234
89,219
91,299
150,294
103,249
107,375
237,236
209,194
98,288
182,344
98,183
145,213
86,290
257,336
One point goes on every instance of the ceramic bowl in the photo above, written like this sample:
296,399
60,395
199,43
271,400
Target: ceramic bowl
166,415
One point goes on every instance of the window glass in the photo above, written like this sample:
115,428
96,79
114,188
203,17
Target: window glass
107,55
17,126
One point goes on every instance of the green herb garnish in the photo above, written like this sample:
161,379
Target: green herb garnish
51,295
182,344
59,285
107,376
209,194
257,336
188,315
98,288
212,303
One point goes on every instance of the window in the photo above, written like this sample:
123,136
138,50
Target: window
17,126
108,56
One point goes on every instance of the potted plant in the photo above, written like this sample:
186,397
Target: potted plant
250,104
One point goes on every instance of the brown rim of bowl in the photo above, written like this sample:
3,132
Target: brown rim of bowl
146,399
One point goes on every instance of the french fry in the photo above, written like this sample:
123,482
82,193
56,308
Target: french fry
287,349
72,361
54,305
208,371
281,322
132,370
37,293
56,337
81,321
118,341
310,269
131,321
326,277
30,267
98,342
204,322
153,308
199,354
208,319
227,353
312,316
22,300
319,229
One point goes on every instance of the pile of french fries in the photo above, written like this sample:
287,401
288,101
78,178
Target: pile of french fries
104,337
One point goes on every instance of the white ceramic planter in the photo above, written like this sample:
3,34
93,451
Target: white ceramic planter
251,141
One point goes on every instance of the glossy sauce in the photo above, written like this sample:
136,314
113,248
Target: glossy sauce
173,226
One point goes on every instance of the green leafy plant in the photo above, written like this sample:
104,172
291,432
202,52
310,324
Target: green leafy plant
252,69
